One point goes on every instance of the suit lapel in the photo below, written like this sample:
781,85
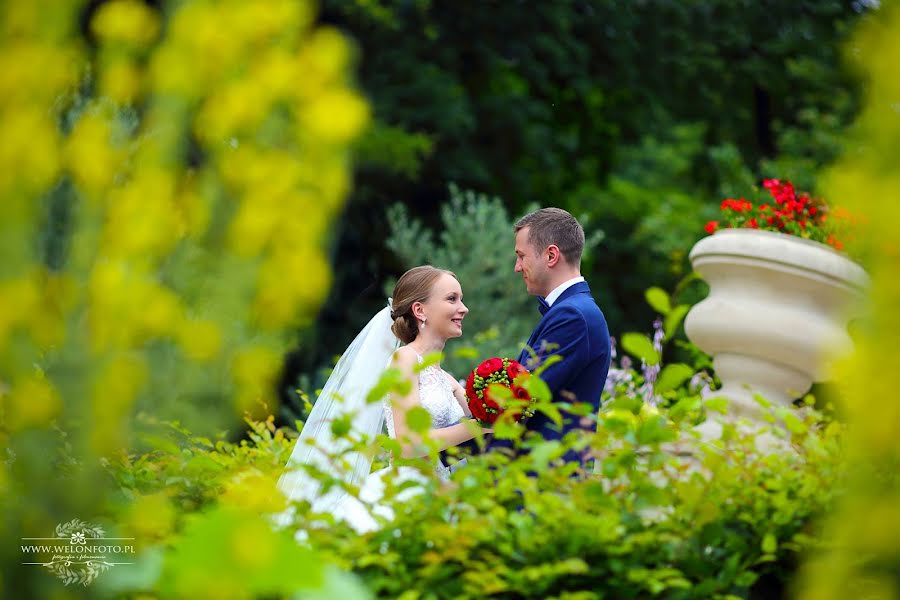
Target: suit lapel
579,288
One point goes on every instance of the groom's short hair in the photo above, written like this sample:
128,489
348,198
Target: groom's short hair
557,227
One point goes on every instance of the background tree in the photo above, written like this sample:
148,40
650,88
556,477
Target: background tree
639,116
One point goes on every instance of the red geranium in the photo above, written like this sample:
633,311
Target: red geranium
793,213
485,406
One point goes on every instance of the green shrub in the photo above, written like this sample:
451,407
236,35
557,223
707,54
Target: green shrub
660,515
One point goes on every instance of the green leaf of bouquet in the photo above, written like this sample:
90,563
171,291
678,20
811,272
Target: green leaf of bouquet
418,419
640,346
658,299
673,320
672,377
769,543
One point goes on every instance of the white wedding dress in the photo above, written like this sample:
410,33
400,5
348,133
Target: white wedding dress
435,396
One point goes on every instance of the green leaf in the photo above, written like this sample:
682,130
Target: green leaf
543,453
551,411
340,426
658,299
499,393
672,377
654,430
719,405
467,353
208,543
793,423
505,430
432,358
640,346
683,408
391,381
537,389
769,543
547,363
673,320
418,419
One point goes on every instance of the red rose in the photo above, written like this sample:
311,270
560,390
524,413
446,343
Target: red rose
489,366
477,408
487,403
514,370
470,385
753,224
520,393
711,226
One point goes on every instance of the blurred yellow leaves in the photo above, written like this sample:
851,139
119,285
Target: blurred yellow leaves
196,223
254,492
200,340
253,370
337,116
128,22
29,151
225,553
89,155
32,402
864,535
150,518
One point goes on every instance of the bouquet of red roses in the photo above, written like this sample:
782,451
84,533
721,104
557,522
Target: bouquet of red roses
485,401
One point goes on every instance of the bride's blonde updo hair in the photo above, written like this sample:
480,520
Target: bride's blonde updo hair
413,286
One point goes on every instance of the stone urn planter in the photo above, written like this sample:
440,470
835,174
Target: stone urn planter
776,313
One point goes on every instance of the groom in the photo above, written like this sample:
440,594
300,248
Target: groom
549,243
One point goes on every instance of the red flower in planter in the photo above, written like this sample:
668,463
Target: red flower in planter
793,213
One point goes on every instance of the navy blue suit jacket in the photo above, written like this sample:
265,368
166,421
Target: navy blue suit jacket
575,329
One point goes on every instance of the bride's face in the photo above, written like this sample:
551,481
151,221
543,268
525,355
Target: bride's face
444,310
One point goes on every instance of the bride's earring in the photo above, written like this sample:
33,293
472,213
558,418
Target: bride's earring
423,322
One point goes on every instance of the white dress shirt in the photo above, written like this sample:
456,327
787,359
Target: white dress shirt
557,292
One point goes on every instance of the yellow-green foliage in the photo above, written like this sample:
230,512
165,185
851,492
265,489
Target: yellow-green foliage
168,179
865,533
194,221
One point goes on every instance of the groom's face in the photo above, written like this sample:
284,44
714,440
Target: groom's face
530,264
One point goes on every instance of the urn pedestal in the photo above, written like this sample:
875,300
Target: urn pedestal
776,314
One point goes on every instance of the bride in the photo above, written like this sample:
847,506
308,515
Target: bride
426,310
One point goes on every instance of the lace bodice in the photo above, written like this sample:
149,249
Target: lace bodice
435,396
